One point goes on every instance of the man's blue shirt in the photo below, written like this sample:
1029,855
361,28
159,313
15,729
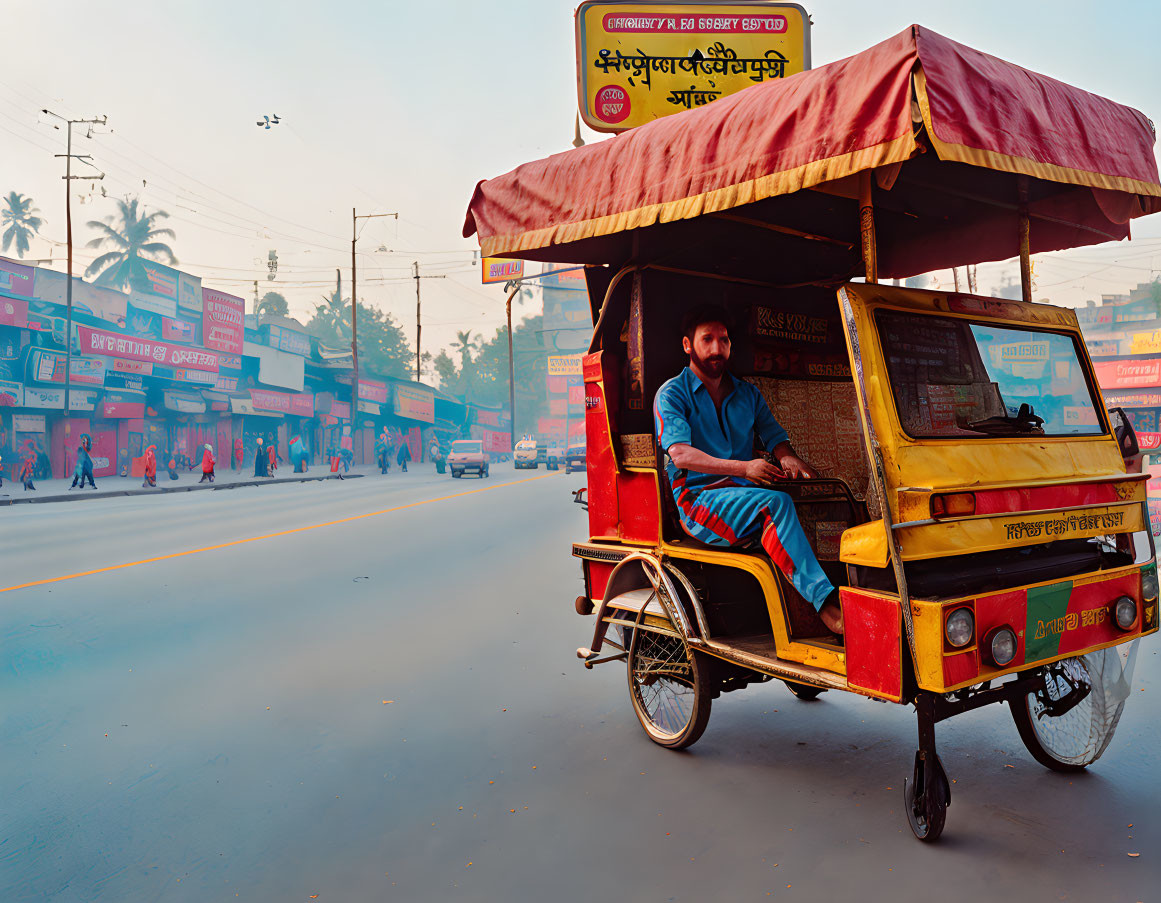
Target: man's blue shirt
684,413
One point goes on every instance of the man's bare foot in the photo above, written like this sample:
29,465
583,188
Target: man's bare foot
832,615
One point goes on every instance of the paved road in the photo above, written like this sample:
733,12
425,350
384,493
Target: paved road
388,708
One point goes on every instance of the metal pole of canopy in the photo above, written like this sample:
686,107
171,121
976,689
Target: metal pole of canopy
867,226
1025,240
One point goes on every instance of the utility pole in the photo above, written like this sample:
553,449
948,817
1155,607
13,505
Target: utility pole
354,306
68,178
418,321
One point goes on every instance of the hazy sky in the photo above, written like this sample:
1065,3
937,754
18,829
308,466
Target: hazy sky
391,106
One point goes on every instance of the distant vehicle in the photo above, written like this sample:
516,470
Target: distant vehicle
574,459
527,454
554,456
467,455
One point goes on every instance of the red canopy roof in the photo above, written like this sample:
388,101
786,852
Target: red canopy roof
826,124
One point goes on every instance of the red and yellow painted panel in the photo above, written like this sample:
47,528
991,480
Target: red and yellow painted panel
873,635
1051,621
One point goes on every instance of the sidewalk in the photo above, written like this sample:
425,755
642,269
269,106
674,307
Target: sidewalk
12,492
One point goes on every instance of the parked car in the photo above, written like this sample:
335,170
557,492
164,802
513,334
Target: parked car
467,455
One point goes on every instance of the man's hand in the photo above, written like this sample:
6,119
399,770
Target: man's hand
762,472
797,469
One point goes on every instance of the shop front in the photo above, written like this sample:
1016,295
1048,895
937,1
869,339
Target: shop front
118,431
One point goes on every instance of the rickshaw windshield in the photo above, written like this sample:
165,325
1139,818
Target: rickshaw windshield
952,378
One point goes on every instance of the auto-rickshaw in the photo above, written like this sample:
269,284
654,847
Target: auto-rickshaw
975,507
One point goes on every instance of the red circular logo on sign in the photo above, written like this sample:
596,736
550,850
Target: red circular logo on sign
612,104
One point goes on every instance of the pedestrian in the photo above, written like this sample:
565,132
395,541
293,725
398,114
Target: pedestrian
436,454
275,458
298,454
239,454
28,467
208,462
171,466
381,451
348,457
150,467
87,471
84,469
261,461
404,455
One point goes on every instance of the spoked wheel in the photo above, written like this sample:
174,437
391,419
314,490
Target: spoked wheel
925,800
669,687
1068,721
805,692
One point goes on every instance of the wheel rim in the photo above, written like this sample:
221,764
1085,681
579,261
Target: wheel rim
662,680
1079,735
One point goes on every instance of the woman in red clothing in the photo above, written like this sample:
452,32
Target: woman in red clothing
150,467
238,454
207,465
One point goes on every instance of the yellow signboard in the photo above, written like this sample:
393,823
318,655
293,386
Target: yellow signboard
640,60
1145,342
500,269
564,365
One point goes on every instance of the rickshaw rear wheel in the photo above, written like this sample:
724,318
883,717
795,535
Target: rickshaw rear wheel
669,686
1068,722
805,692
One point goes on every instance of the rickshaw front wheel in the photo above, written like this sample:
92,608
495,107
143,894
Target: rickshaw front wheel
669,687
1067,722
927,815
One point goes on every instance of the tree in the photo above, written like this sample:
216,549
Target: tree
273,305
20,217
486,382
133,234
383,348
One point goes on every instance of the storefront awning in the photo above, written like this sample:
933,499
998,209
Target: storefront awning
246,406
184,402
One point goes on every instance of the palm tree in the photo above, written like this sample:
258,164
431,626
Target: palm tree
134,238
23,224
332,318
465,344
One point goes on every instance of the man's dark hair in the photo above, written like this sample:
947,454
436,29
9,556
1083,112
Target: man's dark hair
703,313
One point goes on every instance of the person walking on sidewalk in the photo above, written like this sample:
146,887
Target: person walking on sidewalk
275,458
150,467
261,461
239,454
208,462
87,471
404,455
28,466
84,469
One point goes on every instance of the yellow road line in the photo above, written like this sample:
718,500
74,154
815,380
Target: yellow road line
238,542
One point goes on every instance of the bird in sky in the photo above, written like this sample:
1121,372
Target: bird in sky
266,121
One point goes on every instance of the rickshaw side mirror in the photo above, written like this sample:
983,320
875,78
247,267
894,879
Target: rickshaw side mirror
1126,440
1126,435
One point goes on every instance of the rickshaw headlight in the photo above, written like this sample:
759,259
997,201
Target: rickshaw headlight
1125,612
1001,646
960,628
1149,585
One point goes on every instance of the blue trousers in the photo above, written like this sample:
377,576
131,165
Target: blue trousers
733,511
